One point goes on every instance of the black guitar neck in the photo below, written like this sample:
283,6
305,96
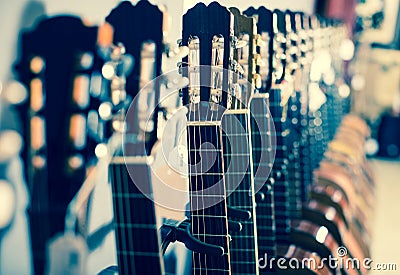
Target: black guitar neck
207,32
263,135
237,150
138,246
140,29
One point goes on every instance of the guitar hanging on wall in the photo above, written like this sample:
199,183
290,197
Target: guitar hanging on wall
140,29
55,117
207,32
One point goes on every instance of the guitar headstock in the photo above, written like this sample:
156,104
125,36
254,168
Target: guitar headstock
56,63
59,93
207,32
292,43
264,44
140,29
245,59
279,47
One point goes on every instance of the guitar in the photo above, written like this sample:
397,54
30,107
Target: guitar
140,29
56,64
207,31
263,135
265,21
237,148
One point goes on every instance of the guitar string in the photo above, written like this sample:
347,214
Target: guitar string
221,181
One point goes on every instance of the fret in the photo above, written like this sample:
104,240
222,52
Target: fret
267,238
135,225
281,186
209,218
202,195
134,217
261,134
208,211
239,175
210,269
200,174
138,253
130,196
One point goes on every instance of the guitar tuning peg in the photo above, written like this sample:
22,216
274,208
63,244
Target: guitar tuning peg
37,65
118,51
179,65
14,92
105,110
179,52
238,43
105,35
108,70
241,43
128,61
240,69
10,144
183,51
101,150
258,81
258,60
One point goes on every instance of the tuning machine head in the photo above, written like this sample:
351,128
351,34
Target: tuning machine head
14,92
177,52
7,204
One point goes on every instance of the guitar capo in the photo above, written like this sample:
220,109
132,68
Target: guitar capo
172,231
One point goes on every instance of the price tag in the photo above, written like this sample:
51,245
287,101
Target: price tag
67,254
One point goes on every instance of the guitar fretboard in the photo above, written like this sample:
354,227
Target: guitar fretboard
280,173
294,167
238,178
134,219
209,222
262,163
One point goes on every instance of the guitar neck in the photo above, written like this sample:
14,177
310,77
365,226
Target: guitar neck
209,222
262,142
295,168
138,242
280,173
240,188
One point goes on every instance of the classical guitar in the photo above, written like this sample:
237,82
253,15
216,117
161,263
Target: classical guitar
207,31
55,64
268,246
237,147
140,30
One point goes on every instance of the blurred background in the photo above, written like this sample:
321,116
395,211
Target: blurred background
373,75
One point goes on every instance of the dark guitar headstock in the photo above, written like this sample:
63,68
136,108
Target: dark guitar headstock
55,64
264,44
280,44
245,79
207,32
140,29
